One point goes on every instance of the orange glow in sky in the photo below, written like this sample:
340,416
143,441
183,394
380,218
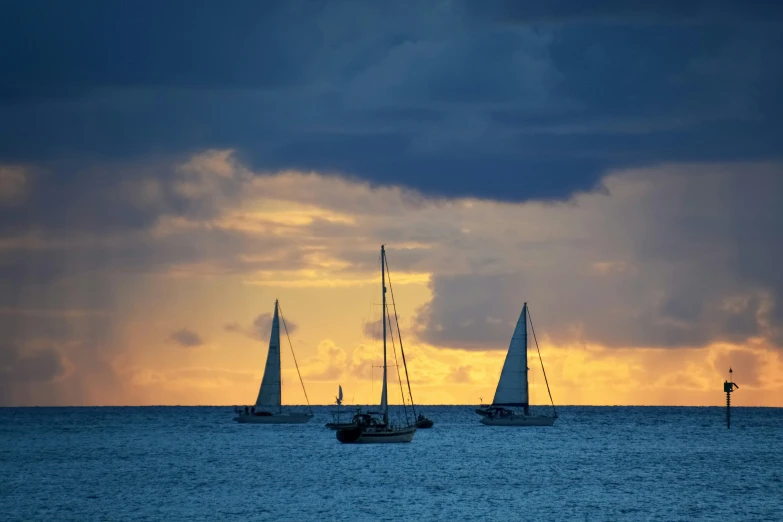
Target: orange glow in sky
186,328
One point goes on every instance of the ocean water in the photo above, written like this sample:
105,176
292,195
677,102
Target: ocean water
195,463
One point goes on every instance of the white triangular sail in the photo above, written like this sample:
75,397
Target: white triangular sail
269,394
512,386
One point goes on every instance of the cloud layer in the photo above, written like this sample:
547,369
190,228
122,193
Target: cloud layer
498,100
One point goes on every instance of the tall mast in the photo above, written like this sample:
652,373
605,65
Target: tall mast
384,398
526,398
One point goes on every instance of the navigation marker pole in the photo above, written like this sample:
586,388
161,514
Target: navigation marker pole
728,387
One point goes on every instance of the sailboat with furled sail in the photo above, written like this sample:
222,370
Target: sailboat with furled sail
512,390
374,427
268,408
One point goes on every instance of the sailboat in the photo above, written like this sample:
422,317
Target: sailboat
374,427
269,408
512,390
337,422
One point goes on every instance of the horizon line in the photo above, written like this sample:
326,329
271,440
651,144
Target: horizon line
365,405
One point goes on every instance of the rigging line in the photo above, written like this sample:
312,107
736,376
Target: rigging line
396,361
399,376
543,370
399,334
371,340
294,356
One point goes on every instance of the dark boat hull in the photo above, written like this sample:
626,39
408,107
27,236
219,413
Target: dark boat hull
371,435
274,419
349,435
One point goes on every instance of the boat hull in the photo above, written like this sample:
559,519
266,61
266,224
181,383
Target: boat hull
519,420
274,419
360,435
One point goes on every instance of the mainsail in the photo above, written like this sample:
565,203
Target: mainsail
269,394
512,386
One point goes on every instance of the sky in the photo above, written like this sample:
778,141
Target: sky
169,170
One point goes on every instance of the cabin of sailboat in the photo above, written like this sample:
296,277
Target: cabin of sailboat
512,390
268,408
374,427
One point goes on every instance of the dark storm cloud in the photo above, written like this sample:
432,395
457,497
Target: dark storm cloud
47,323
186,338
26,373
39,365
690,253
103,196
620,11
137,254
76,222
688,316
448,98
471,311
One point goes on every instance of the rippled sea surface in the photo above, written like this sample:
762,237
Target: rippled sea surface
182,463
